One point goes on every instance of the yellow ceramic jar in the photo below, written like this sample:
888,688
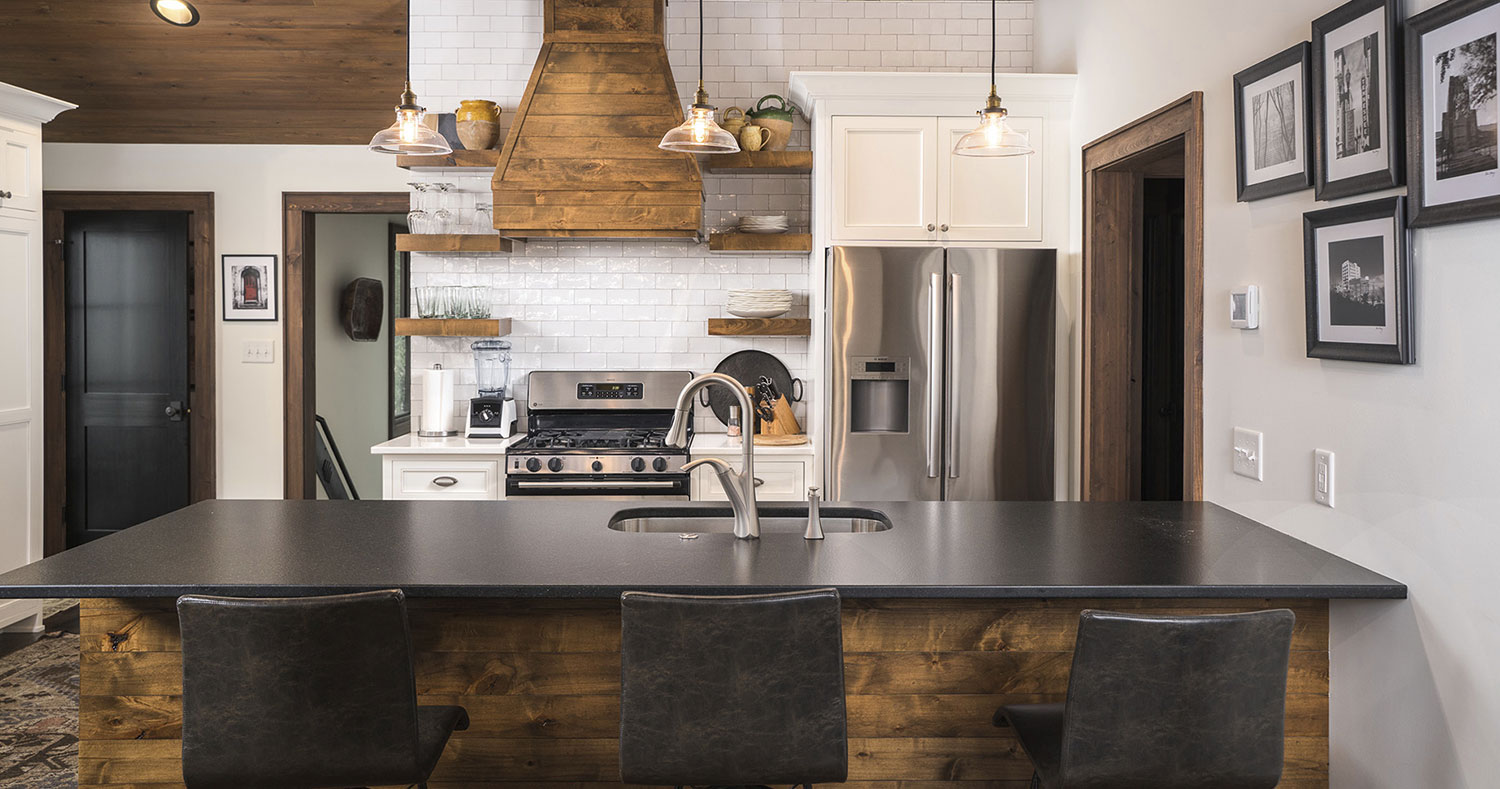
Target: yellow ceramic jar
478,122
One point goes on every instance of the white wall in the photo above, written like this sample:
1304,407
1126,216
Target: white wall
352,379
1415,694
247,182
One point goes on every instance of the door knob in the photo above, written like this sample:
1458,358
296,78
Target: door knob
943,228
931,227
174,410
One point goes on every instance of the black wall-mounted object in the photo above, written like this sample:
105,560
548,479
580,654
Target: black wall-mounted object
362,308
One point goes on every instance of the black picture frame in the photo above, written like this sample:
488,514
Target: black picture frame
1486,203
1390,100
1293,182
270,293
1319,347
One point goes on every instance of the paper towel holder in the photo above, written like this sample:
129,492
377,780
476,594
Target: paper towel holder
437,422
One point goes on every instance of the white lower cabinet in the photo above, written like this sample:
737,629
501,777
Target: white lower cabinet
784,479
443,478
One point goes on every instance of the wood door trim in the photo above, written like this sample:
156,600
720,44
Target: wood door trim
1128,149
298,212
202,328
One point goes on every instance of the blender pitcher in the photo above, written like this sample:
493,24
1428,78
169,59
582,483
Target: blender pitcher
493,413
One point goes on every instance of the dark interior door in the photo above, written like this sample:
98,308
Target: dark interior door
1162,339
127,369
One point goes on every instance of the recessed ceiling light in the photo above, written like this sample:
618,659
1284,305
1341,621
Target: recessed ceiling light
175,12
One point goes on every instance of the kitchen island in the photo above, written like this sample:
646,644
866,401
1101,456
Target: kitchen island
957,608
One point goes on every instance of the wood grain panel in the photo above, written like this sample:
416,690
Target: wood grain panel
271,71
760,242
595,218
760,327
574,197
591,84
540,680
602,106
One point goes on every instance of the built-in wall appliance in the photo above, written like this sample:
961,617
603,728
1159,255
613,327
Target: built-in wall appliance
599,434
942,374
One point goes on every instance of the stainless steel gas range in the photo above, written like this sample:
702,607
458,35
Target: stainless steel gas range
599,434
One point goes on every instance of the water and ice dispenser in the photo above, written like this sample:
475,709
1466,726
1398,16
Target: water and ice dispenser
879,394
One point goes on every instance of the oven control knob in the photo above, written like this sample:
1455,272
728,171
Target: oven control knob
533,465
660,464
597,466
555,464
637,464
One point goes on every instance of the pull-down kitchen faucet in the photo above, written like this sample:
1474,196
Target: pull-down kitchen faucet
739,487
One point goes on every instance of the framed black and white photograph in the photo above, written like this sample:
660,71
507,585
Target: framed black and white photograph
250,287
1273,138
1359,282
1359,128
1451,69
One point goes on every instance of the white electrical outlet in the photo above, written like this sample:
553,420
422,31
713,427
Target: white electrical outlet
1249,446
258,352
1323,477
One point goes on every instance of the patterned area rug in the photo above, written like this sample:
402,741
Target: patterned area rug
39,711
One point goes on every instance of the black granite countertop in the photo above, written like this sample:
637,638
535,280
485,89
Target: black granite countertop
565,549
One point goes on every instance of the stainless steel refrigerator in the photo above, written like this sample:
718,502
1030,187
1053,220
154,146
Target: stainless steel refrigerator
942,374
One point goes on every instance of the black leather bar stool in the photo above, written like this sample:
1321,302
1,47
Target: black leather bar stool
1165,702
732,691
304,693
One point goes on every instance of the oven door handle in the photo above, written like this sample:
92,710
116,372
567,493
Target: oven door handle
612,485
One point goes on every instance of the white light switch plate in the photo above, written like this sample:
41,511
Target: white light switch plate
1323,477
258,352
1249,446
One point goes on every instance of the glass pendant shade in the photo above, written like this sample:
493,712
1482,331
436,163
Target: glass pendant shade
699,134
994,137
409,135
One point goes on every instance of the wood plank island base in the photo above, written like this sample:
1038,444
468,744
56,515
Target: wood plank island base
541,682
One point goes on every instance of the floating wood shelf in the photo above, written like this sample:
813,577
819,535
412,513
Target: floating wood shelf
754,242
760,327
757,162
431,242
475,159
452,327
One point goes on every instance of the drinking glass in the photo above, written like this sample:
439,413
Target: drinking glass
484,219
417,217
427,302
458,302
479,301
442,218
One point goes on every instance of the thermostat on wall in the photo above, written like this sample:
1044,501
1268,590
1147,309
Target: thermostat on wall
1244,307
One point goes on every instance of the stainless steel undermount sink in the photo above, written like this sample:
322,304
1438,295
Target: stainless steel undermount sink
773,520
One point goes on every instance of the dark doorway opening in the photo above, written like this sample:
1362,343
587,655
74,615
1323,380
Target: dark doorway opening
129,311
1161,373
1142,408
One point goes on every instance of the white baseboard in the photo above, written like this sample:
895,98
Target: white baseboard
21,616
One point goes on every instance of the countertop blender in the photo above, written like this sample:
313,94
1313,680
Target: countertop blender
493,413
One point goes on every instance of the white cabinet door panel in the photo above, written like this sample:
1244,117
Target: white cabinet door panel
20,300
18,490
989,198
884,178
20,166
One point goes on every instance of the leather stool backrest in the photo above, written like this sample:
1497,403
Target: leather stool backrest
1169,701
732,690
296,692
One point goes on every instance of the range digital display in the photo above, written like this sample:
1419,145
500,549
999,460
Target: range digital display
610,391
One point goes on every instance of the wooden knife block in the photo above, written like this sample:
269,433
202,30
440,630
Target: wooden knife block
782,422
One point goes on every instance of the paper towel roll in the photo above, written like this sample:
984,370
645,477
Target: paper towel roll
437,403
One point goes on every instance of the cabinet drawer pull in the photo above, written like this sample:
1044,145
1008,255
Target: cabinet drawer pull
5,195
444,482
943,228
931,227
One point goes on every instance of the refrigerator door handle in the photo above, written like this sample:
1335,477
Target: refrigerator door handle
951,364
934,373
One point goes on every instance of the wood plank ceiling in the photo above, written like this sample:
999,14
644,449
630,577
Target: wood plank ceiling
252,71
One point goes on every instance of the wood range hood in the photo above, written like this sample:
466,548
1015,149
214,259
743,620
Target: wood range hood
581,158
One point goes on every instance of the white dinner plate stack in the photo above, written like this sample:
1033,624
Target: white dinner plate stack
759,303
763,224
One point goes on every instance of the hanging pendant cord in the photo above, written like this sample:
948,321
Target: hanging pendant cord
700,43
992,42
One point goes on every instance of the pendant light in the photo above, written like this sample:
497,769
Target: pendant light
994,137
699,133
409,135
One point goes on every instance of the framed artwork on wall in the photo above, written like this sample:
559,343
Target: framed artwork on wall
1454,161
1358,272
1272,126
1359,129
250,287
